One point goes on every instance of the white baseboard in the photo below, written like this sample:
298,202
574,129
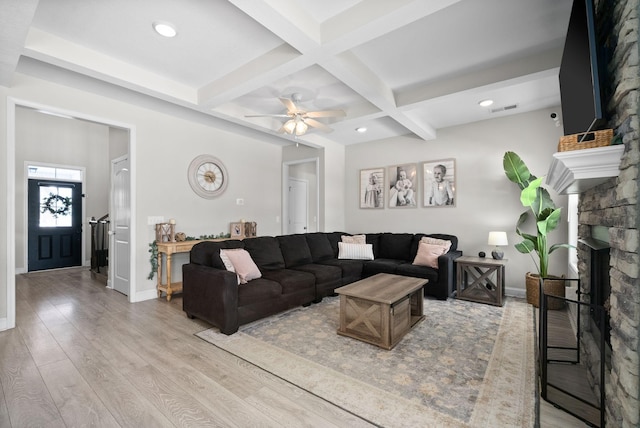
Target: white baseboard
4,324
145,295
20,270
515,292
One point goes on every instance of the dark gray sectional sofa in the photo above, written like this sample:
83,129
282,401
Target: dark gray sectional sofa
298,270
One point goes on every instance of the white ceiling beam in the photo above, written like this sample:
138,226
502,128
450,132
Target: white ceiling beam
547,61
294,26
370,19
15,19
62,53
284,18
351,71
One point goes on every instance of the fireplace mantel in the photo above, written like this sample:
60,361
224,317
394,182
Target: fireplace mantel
579,170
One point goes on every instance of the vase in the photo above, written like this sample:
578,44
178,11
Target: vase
553,285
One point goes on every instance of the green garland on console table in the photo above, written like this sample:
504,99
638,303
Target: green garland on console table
153,249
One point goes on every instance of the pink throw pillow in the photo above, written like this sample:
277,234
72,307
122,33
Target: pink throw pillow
354,239
436,241
243,264
428,254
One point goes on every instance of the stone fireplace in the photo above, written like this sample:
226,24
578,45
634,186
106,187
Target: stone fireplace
613,205
607,182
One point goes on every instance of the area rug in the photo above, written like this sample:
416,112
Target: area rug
465,365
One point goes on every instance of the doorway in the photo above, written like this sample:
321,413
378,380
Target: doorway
308,170
129,146
298,206
54,224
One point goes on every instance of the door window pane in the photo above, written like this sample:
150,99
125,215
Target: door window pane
55,206
37,171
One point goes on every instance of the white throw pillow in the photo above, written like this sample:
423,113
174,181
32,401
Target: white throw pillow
428,254
355,251
243,264
227,263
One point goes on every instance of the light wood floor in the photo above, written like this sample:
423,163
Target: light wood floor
81,355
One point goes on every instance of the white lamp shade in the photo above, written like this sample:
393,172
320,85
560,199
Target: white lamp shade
498,238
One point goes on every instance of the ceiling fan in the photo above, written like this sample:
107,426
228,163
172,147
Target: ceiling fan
300,120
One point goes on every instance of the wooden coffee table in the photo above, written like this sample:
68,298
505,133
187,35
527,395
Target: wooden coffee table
381,309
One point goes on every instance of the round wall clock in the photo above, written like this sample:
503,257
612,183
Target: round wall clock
207,176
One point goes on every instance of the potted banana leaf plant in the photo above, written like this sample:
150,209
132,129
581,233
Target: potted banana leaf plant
541,208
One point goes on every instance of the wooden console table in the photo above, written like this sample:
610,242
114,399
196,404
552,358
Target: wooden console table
168,249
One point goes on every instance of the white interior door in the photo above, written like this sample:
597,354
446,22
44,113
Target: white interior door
298,205
120,224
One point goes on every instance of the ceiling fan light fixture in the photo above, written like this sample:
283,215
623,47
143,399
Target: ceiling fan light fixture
289,126
301,128
165,29
295,127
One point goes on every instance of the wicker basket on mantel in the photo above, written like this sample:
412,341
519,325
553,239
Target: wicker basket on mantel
587,140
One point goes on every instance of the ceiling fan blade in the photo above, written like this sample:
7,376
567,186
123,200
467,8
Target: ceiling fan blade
267,115
326,113
318,125
291,107
281,130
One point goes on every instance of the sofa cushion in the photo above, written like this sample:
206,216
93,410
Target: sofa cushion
374,240
373,267
324,274
416,271
396,246
355,251
334,238
319,246
291,280
258,290
207,253
351,269
265,252
295,250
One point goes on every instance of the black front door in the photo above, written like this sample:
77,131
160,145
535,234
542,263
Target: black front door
55,224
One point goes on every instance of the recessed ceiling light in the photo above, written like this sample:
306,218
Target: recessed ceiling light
165,29
485,103
361,129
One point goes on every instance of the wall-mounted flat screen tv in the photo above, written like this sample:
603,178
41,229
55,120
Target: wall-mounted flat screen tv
580,75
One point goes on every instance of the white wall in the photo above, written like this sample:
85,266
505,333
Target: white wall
164,147
42,138
485,199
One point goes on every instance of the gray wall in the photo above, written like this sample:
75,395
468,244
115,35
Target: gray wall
485,199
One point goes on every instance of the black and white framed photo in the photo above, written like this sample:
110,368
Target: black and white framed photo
439,183
403,185
237,231
372,188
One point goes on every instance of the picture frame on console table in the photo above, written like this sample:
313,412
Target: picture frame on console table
237,230
403,185
439,187
372,194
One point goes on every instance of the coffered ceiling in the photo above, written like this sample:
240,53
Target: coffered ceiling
401,67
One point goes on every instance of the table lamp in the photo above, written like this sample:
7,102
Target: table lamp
497,239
